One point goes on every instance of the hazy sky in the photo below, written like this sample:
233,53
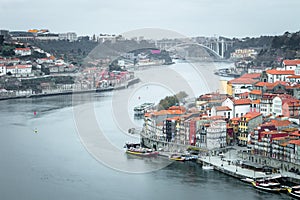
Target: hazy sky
230,18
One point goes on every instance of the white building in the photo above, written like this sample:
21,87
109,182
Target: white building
289,64
238,107
277,106
295,78
278,75
266,104
278,102
23,51
70,36
244,53
45,60
241,85
2,70
221,111
216,135
47,36
19,70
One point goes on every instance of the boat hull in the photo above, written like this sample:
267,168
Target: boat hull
142,154
267,189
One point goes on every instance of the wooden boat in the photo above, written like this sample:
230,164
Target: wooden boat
141,152
294,191
177,157
268,185
136,149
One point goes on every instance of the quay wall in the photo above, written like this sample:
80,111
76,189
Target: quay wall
223,166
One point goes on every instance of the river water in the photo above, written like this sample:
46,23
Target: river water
43,153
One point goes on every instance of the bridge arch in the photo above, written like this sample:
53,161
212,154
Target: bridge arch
197,44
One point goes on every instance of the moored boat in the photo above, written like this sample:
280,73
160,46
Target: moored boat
136,149
294,191
268,186
141,152
177,157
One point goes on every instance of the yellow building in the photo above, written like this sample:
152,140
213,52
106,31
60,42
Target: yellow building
247,124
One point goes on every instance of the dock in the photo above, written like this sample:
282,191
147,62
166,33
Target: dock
232,168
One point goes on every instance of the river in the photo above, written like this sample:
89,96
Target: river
44,153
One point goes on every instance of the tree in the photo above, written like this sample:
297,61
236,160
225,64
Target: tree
169,101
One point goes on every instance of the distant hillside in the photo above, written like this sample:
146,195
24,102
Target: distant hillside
71,51
271,49
114,49
78,51
286,46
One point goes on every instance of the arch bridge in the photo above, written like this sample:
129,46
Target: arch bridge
216,47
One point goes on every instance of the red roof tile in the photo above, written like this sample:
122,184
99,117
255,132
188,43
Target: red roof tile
222,108
280,72
251,115
252,75
296,142
242,81
241,101
294,76
256,101
255,92
280,123
291,62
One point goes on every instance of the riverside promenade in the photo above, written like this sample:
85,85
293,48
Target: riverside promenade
231,167
229,164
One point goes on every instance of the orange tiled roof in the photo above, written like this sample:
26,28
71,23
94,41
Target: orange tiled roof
280,138
296,142
161,112
291,62
242,81
251,115
269,85
294,76
18,67
235,119
257,101
280,122
252,75
280,72
222,108
241,101
261,84
255,92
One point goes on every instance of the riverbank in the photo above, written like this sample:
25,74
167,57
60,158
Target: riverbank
69,92
66,92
